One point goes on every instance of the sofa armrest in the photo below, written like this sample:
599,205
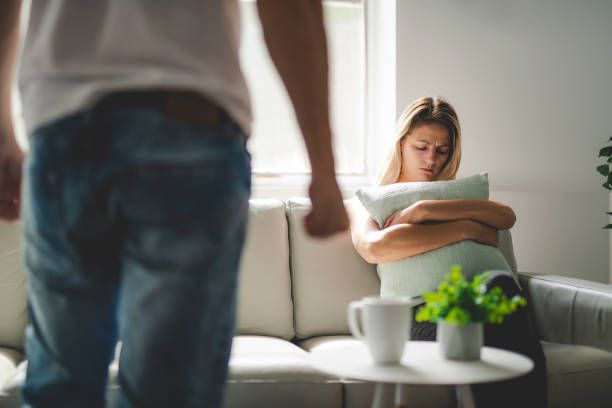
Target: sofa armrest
568,310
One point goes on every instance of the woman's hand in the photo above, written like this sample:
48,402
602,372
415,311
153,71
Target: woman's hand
490,212
481,233
415,214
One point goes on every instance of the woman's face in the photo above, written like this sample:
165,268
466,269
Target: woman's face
425,150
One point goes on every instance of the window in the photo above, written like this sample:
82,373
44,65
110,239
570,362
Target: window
276,144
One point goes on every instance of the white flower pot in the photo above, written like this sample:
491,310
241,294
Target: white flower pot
460,342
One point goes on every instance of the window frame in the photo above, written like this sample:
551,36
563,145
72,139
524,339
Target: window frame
379,106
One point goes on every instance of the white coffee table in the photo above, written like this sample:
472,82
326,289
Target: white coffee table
421,363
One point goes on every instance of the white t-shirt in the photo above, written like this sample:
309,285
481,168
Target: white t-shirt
76,51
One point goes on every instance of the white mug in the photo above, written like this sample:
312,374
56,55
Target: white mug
385,323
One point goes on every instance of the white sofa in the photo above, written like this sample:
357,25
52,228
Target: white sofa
293,295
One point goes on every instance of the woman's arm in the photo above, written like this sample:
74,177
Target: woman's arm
404,240
490,212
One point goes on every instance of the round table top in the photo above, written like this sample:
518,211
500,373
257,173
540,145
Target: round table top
421,363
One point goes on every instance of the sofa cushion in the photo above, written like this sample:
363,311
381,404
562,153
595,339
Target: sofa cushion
264,372
270,359
327,275
271,372
264,289
9,360
13,310
421,273
578,376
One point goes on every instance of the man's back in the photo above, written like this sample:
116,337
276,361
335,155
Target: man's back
136,186
76,51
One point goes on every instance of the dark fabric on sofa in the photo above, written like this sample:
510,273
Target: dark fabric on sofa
515,334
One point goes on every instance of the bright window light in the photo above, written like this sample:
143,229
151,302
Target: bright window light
276,143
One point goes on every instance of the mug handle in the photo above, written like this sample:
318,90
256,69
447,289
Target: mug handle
353,320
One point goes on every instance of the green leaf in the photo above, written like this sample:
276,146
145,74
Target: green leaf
604,170
458,315
609,160
609,226
609,212
460,302
610,139
607,186
605,152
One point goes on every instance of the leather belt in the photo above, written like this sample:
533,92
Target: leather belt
184,106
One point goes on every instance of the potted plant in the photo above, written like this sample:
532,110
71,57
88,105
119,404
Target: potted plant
604,170
460,308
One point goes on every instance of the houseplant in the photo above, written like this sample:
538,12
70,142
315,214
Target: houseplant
460,308
604,170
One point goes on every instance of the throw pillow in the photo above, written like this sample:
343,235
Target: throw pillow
421,273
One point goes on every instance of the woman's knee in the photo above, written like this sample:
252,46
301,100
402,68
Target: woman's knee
505,281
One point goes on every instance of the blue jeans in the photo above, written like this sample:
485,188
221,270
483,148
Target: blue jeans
134,225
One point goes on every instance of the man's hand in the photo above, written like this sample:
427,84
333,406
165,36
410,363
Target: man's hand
11,160
328,215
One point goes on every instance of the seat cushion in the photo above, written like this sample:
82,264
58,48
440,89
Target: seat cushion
9,360
270,359
327,275
13,311
265,372
272,372
264,289
12,375
578,375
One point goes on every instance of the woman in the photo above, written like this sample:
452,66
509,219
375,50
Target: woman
428,148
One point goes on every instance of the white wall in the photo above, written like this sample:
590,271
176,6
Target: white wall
532,83
560,232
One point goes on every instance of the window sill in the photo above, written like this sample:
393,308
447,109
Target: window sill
285,186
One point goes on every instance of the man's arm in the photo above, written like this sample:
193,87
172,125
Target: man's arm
11,156
295,37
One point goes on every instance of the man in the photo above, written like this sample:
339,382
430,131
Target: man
136,186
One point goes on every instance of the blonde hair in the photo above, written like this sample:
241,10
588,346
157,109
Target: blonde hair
423,111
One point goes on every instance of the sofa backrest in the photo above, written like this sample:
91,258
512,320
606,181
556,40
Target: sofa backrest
264,290
290,284
326,276
13,310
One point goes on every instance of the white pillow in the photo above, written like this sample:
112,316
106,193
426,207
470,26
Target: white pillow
421,273
382,201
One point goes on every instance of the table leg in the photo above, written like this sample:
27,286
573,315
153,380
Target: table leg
465,398
400,396
377,401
